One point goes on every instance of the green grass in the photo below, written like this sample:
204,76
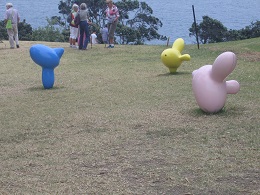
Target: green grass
116,122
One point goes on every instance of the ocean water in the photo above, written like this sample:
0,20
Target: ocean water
34,12
176,15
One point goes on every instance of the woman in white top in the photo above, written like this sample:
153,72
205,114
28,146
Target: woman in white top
73,26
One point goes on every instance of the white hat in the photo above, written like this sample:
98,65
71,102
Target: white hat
9,5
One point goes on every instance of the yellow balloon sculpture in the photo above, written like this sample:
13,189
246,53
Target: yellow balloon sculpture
172,57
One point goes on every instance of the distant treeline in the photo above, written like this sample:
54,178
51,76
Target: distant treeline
208,31
213,31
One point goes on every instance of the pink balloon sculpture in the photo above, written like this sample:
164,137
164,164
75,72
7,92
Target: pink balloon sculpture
209,85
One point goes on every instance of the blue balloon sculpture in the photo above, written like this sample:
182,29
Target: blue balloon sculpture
48,58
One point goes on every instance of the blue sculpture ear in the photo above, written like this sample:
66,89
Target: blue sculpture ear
59,51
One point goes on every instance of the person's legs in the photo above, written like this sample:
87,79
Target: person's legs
85,45
70,40
111,33
108,27
16,38
10,33
73,42
74,34
81,31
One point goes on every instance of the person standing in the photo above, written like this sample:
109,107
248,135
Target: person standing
73,26
104,34
84,26
13,15
112,15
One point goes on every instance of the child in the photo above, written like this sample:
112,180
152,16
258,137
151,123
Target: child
93,38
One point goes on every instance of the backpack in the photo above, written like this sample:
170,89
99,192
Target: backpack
77,20
74,21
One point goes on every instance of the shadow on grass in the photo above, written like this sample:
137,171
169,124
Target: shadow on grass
41,88
230,111
173,74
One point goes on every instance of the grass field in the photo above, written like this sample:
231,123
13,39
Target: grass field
116,122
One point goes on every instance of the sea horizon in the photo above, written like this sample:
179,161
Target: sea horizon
177,17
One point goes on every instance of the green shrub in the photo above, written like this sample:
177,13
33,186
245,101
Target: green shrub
48,33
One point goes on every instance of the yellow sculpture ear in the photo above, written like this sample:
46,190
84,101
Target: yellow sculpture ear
178,44
185,57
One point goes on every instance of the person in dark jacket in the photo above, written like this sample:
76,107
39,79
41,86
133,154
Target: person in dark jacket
84,26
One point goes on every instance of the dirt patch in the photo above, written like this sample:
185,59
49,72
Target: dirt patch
249,180
250,56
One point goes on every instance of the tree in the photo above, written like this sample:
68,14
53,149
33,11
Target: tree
212,31
49,33
3,32
65,9
96,9
141,27
25,31
233,35
209,30
144,25
251,31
